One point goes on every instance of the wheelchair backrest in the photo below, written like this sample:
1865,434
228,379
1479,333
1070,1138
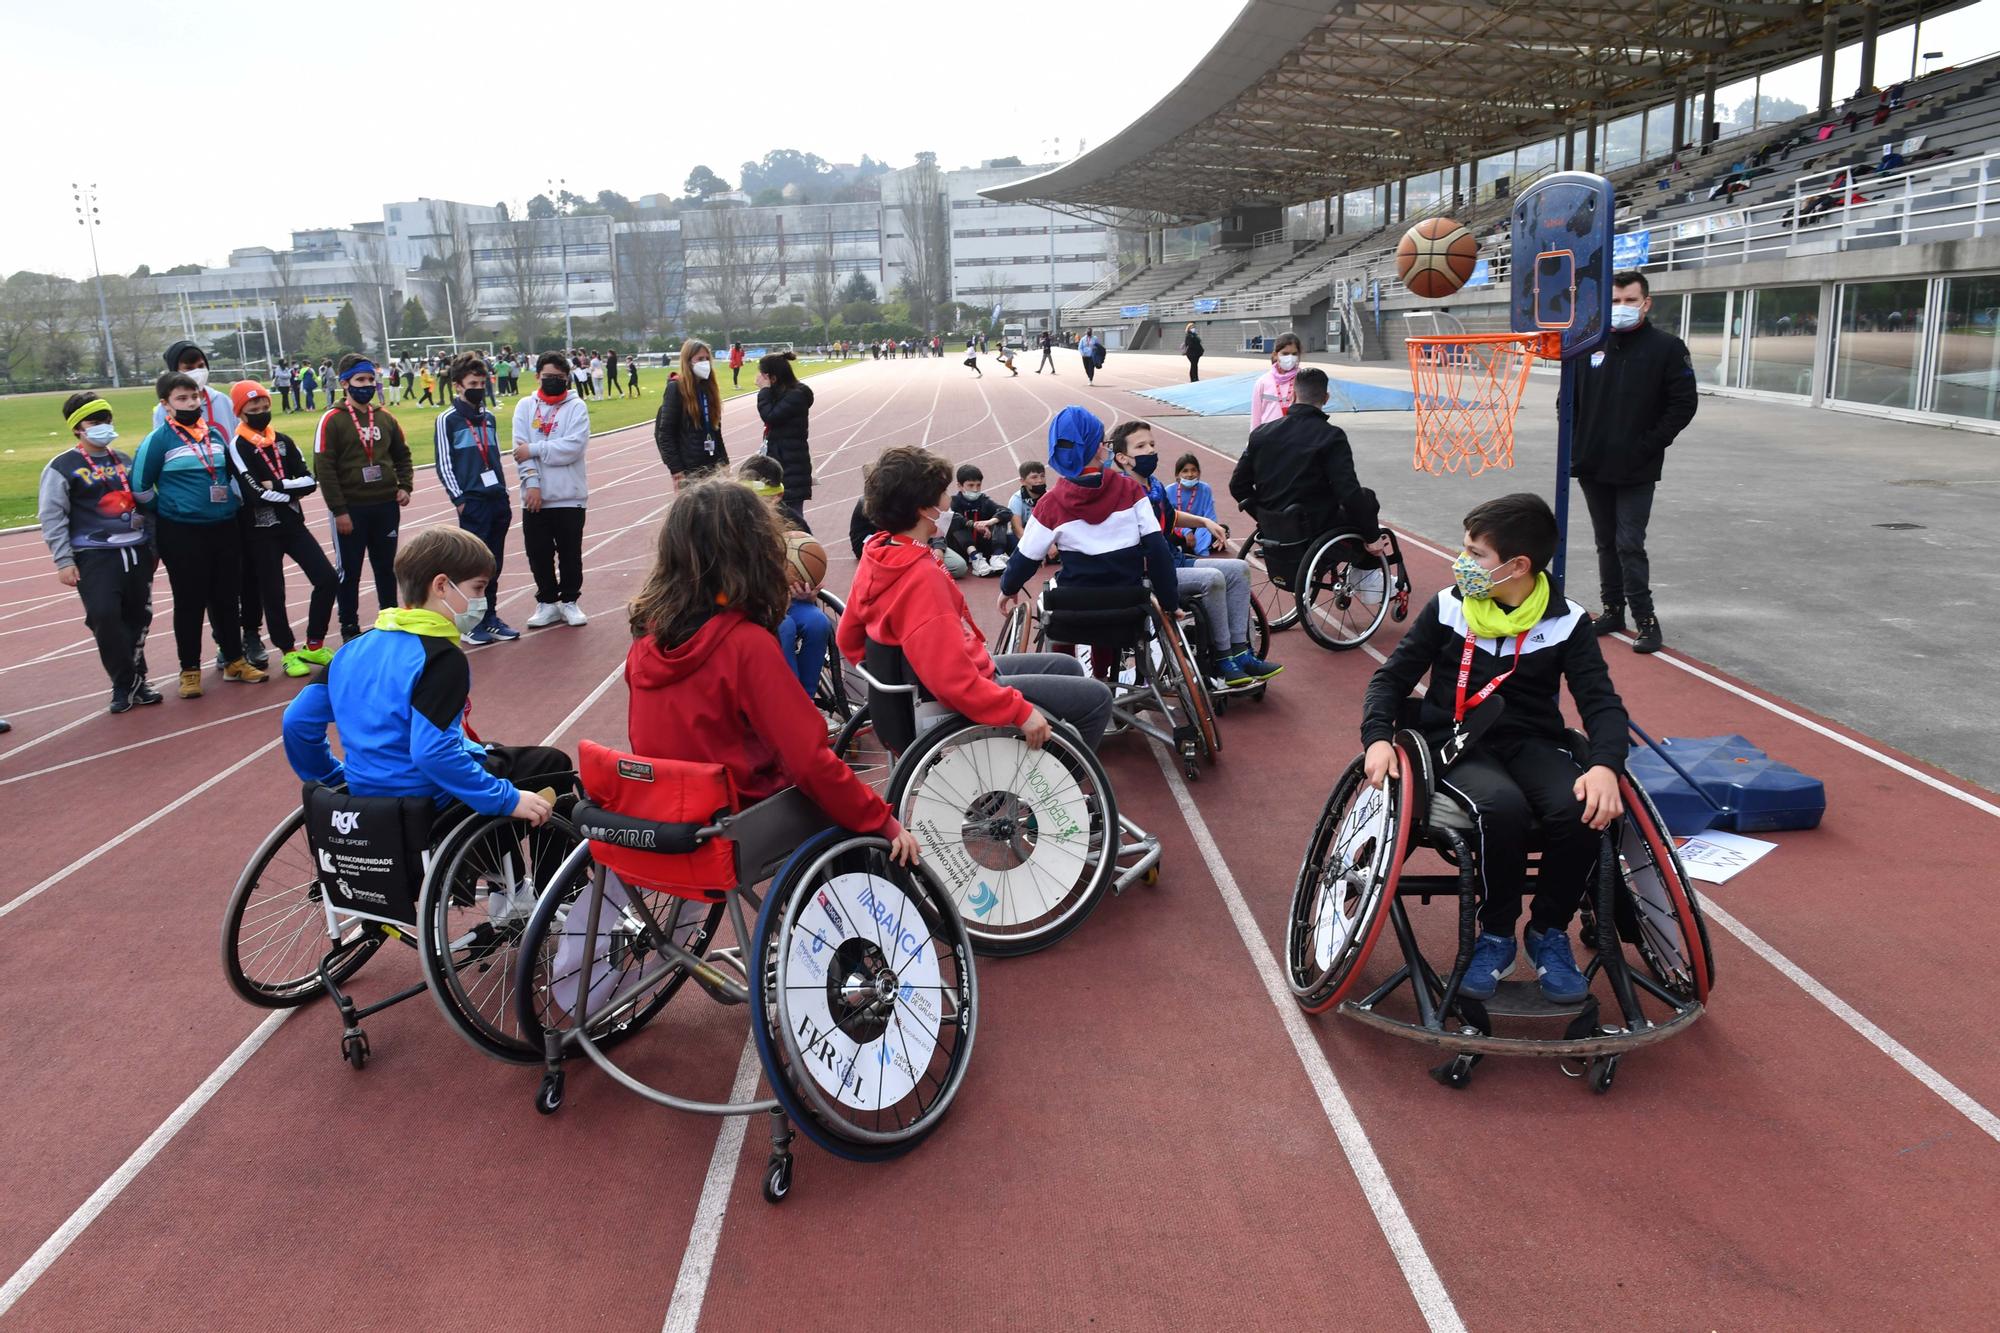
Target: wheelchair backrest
649,793
368,851
1290,526
894,711
1102,617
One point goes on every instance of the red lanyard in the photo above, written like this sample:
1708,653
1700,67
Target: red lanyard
479,438
111,467
273,456
367,437
1465,676
200,444
544,424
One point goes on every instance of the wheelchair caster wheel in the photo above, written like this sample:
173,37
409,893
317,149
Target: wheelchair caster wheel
1152,875
1399,612
778,1179
354,1048
548,1098
1602,1070
1456,1073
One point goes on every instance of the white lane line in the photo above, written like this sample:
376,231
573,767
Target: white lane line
65,1235
1418,1272
137,745
705,1235
1911,1063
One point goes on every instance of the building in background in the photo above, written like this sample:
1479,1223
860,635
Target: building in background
742,260
520,266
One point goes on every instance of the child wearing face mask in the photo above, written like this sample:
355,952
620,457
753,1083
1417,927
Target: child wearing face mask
102,545
363,465
472,466
981,532
1191,495
551,437
273,478
1271,396
399,697
687,430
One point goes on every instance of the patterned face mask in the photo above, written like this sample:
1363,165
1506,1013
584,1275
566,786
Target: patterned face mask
1474,583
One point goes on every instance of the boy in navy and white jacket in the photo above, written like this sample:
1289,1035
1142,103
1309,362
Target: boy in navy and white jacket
472,466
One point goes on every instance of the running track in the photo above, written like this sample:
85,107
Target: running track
1151,1135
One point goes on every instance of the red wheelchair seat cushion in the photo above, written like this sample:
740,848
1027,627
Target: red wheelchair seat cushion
667,791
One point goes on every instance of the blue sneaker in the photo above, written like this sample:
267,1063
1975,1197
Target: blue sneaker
1258,668
478,636
500,629
1492,960
1556,967
1233,670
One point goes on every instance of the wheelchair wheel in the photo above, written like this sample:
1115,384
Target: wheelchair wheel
840,691
863,1009
274,929
626,985
1017,631
1658,911
481,890
1260,628
1280,607
1345,885
1025,842
1340,603
858,747
1177,666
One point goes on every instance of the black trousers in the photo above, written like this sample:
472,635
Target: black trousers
1194,369
374,536
117,592
250,600
205,569
1618,518
554,541
1507,784
793,505
291,539
488,517
1049,360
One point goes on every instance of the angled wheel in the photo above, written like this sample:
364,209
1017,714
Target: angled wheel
1345,885
1280,607
860,749
1658,912
1177,666
864,1002
274,931
1342,597
840,691
1017,631
1024,842
1260,628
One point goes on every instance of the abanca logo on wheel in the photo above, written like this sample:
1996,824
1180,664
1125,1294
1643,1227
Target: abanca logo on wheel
889,919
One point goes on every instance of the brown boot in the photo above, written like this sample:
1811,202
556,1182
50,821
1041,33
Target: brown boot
241,671
191,684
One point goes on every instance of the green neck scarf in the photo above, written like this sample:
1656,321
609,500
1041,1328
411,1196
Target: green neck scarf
1490,620
416,620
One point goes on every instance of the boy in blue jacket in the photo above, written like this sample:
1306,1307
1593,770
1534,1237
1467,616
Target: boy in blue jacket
472,466
398,697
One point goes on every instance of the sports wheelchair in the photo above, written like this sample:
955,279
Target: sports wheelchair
1025,841
1328,581
840,691
343,874
1353,879
857,972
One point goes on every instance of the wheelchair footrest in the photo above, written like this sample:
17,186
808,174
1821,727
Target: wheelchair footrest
1477,1043
1524,999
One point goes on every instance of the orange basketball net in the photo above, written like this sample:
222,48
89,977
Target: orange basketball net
1468,387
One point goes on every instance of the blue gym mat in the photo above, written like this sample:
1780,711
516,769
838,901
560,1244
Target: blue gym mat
1230,396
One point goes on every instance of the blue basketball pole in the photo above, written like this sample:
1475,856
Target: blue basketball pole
1565,421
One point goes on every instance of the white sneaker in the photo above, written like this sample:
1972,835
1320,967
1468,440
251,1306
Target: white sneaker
571,613
545,615
979,566
995,566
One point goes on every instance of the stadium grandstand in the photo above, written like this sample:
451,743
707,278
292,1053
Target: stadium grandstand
1848,257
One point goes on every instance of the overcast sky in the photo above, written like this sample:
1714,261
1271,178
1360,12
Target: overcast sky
209,126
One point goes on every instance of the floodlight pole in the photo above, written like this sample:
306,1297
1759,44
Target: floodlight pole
557,189
86,218
1052,270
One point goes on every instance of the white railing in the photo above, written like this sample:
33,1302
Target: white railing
1101,287
1271,237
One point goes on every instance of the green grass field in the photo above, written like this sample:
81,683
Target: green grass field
31,428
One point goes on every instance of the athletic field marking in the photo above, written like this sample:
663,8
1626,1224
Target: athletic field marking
705,1234
1425,1285
87,1212
135,745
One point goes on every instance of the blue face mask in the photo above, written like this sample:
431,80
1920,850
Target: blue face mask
101,434
360,393
1624,318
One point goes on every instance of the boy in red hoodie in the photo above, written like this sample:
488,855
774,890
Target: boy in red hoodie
709,683
902,597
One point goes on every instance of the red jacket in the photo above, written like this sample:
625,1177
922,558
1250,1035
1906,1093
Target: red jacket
903,598
727,696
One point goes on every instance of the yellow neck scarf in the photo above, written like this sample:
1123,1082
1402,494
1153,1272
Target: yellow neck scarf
1490,620
416,620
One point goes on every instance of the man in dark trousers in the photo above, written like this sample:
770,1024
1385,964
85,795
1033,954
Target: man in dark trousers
1633,396
1191,349
1304,460
1048,353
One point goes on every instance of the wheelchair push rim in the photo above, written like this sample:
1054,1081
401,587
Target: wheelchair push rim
1023,842
864,1012
274,931
1189,685
1346,881
1340,604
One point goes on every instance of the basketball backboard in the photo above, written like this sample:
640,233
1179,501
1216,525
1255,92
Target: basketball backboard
1561,259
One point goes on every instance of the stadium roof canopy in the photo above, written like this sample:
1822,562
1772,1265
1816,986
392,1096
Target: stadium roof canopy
1302,99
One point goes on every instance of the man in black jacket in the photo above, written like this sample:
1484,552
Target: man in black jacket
1633,396
1304,460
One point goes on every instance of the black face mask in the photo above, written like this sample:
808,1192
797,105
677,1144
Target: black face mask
256,420
554,385
475,395
1038,491
360,393
1146,464
187,416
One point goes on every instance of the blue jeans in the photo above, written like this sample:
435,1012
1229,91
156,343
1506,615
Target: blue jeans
804,634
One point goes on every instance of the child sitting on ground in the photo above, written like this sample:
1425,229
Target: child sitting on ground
805,631
1191,495
1497,733
398,697
707,682
981,531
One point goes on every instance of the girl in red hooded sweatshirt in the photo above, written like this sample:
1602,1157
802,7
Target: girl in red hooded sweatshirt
708,681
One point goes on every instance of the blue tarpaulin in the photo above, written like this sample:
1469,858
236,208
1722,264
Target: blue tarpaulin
1231,396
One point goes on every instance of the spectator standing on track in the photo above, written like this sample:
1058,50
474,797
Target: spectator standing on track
185,461
471,465
1271,395
551,433
101,543
786,407
1191,349
1634,395
365,476
1048,353
191,361
687,430
1087,349
735,365
273,479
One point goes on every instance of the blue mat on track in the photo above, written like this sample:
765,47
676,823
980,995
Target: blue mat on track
1230,396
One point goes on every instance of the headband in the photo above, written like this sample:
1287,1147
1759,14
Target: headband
764,488
358,368
89,409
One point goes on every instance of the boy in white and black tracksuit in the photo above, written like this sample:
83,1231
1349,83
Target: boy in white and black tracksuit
272,477
551,433
472,465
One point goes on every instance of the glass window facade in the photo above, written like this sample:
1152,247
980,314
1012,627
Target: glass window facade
1707,337
1782,329
1878,350
1967,378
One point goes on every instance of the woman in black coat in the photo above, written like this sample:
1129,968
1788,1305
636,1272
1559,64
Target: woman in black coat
687,430
786,405
1191,349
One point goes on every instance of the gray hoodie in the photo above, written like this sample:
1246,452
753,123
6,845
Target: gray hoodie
556,463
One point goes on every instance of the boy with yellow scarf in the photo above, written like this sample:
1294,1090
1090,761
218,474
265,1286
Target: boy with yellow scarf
1498,646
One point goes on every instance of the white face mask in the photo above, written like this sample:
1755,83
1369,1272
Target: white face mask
701,370
474,613
971,496
1625,317
199,376
101,434
1287,362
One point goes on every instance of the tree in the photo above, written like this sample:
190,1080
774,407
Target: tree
287,299
449,265
415,323
822,291
529,290
703,182
321,342
541,208
649,280
347,328
768,197
1005,162
181,271
858,288
615,204
925,248
55,317
139,322
730,270
378,296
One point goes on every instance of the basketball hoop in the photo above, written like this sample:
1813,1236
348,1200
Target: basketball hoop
1468,387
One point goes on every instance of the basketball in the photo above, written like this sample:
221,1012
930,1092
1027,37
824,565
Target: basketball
1435,257
805,559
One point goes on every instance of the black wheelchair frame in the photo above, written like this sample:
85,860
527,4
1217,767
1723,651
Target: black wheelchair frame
1325,574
